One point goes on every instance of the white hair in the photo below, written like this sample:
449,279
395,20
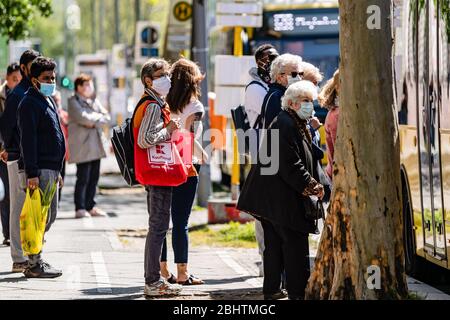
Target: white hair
297,91
279,64
311,72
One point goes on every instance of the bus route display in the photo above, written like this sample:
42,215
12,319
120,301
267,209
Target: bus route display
292,23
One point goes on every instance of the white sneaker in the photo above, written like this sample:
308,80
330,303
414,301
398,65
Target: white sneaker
96,212
162,288
81,214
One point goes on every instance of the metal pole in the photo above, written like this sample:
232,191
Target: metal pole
200,55
93,24
101,25
137,10
66,36
116,21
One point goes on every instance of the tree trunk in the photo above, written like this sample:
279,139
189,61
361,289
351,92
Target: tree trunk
363,227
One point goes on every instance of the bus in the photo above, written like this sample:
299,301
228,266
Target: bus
422,67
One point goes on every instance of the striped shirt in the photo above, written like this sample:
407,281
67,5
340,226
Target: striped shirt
152,130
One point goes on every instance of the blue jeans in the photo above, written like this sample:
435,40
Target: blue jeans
182,200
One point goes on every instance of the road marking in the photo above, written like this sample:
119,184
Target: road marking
88,222
114,240
241,271
101,274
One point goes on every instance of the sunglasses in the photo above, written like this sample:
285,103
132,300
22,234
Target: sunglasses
295,74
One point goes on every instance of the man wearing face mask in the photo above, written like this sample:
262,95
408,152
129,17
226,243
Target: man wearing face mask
152,126
285,71
11,139
255,92
257,89
87,118
42,147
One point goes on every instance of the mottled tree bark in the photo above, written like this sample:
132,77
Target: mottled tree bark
363,227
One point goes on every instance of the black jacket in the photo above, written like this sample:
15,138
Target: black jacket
278,197
272,103
42,141
8,121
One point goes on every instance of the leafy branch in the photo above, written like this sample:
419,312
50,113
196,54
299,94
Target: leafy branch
17,16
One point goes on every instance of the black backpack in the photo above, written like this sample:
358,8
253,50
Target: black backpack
240,120
123,145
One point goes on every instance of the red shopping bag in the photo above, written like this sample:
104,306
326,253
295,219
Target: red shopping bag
169,162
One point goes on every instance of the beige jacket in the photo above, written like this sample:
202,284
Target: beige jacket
86,121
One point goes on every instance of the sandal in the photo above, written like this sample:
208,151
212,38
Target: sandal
172,279
191,281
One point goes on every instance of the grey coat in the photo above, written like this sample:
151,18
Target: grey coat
86,121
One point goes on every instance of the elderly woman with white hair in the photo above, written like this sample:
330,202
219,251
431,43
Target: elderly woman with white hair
281,201
284,71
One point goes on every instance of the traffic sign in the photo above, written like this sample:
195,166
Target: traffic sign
182,11
233,13
147,41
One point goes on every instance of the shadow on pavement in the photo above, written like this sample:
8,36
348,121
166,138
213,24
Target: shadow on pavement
237,294
133,291
228,280
13,280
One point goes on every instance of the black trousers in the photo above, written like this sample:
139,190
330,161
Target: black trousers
4,205
88,174
285,250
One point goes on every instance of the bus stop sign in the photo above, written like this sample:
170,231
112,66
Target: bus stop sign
182,11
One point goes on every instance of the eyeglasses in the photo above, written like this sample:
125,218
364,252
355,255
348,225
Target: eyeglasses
165,74
295,74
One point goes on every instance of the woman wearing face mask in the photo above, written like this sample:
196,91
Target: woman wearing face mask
87,118
280,200
183,99
329,99
285,71
152,126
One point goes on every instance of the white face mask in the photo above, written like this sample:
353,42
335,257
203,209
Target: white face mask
162,85
292,80
306,110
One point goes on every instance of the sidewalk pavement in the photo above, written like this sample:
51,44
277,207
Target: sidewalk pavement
99,264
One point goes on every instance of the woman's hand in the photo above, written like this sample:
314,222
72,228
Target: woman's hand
173,125
320,191
315,123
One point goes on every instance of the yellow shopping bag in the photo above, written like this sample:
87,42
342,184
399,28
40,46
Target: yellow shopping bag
32,223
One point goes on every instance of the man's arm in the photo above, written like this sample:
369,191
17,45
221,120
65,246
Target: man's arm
28,119
8,120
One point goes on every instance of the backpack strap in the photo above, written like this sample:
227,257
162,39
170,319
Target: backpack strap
257,83
259,118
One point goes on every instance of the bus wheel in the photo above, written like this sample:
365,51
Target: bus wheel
408,232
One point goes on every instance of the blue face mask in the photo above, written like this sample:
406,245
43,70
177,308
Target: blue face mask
47,89
306,110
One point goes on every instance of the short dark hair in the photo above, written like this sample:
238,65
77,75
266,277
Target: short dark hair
27,57
81,79
259,53
13,67
40,65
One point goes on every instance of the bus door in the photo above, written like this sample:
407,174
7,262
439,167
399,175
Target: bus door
435,137
428,132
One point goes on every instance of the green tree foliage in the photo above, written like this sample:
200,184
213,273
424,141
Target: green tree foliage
17,16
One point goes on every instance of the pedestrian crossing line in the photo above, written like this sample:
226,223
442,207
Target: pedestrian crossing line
101,274
88,223
114,240
236,267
